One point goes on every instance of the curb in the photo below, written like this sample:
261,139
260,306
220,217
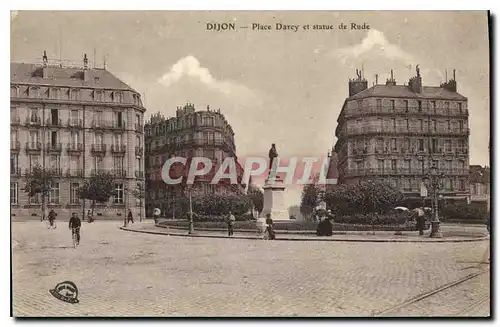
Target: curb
326,239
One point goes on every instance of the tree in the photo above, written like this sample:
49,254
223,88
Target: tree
257,197
312,195
139,193
39,181
98,188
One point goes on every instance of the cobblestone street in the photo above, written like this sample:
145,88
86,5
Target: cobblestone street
121,273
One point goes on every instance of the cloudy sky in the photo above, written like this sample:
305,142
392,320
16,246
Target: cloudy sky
282,87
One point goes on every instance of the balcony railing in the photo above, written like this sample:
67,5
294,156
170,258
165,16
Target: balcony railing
14,120
139,174
118,124
402,171
15,145
139,151
413,131
54,147
55,171
74,172
118,148
99,123
75,122
57,122
99,149
119,173
33,121
138,127
414,110
16,171
99,171
75,147
33,146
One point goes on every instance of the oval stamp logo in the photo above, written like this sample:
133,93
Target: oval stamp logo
66,291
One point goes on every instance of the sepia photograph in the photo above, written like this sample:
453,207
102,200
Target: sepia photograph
246,164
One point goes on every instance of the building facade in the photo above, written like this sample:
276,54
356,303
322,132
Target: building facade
74,121
396,133
480,186
189,134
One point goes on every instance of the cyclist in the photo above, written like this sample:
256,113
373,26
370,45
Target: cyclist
74,225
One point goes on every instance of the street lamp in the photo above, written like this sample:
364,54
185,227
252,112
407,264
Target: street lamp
433,182
191,225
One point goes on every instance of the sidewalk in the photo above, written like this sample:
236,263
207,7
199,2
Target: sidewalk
364,236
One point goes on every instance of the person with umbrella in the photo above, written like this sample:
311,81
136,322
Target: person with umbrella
420,218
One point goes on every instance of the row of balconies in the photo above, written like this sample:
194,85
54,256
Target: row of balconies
405,131
79,172
410,151
73,148
402,171
402,110
194,142
36,121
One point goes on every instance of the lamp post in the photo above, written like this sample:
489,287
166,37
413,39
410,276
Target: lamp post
191,225
433,181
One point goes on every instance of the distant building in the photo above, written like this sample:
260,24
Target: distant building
190,134
396,133
75,120
479,181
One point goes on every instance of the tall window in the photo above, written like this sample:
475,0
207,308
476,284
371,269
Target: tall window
394,164
13,91
98,118
75,137
74,164
33,137
419,103
13,193
406,184
33,115
118,198
407,123
14,161
98,163
360,104
393,121
138,119
435,163
13,138
447,145
434,145
461,125
449,125
208,121
447,107
434,125
54,193
393,105
421,123
13,114
74,117
405,105
433,106
74,95
380,164
460,107
208,137
54,93
393,145
461,185
420,145
98,138
138,164
118,140
98,96
118,164
379,103
407,164
54,163
73,194
34,161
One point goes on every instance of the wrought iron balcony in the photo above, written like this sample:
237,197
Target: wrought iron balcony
74,173
54,122
119,173
15,146
118,124
99,123
54,147
15,171
75,122
98,149
33,146
33,120
75,147
55,171
99,171
118,148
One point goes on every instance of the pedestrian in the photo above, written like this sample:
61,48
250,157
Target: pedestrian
89,216
270,227
156,215
130,217
420,218
52,218
230,222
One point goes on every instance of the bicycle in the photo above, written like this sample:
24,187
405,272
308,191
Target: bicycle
74,232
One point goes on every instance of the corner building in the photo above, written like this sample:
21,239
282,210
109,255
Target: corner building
396,133
191,133
74,120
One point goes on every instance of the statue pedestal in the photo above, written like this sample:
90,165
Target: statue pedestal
274,200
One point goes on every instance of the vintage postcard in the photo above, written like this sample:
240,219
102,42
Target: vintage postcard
250,163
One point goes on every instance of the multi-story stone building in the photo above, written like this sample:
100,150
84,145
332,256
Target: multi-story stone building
480,186
74,121
190,134
396,133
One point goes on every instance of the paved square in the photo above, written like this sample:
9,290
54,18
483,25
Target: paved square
122,273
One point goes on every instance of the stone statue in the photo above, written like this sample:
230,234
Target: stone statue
273,153
418,70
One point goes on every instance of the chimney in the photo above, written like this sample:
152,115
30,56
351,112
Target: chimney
450,85
358,84
391,81
46,70
415,83
86,72
376,79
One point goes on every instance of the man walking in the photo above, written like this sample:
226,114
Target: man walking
130,217
230,222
